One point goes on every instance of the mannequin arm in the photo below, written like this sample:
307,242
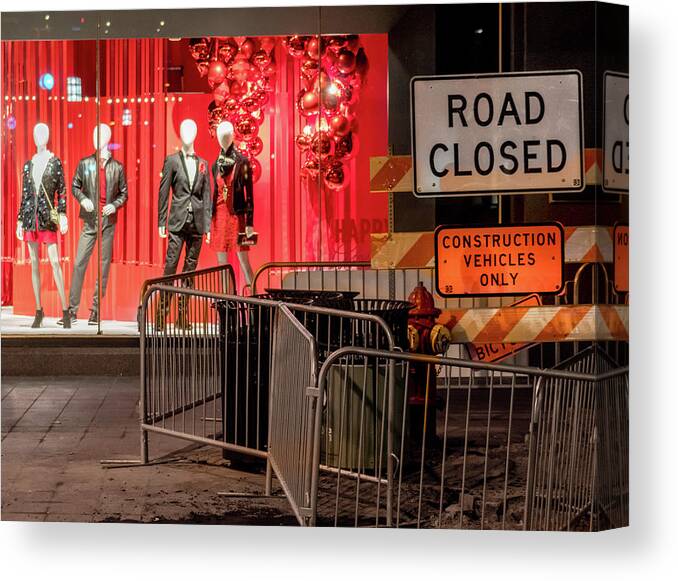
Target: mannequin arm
121,198
163,195
61,189
249,196
207,199
78,180
19,231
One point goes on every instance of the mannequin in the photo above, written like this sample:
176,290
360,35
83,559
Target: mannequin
108,192
233,201
186,175
43,181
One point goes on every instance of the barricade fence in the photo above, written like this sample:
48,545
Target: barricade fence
396,439
208,366
513,448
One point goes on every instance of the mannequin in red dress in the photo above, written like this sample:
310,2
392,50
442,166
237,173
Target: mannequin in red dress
233,206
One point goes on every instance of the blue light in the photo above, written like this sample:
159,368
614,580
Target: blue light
11,122
70,126
46,81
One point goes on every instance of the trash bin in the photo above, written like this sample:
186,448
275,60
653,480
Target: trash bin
344,444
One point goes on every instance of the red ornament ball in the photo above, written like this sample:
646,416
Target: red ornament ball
227,51
295,45
339,126
335,177
220,93
321,144
313,48
346,62
248,47
246,128
230,106
216,73
255,146
308,103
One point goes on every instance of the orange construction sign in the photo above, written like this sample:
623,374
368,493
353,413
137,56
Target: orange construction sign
621,258
493,352
499,260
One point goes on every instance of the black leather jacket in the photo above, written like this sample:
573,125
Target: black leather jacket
33,205
243,194
85,186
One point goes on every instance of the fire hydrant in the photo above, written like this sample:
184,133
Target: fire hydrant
429,338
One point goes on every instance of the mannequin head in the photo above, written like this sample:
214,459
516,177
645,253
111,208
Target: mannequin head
104,134
41,135
225,134
187,132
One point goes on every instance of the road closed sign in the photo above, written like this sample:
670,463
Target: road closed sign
499,260
616,132
497,133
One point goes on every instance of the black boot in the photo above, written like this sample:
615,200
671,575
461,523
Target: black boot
93,317
66,319
72,318
39,316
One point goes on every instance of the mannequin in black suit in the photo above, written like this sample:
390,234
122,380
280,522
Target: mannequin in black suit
190,212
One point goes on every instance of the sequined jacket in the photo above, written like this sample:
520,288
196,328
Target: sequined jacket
243,194
32,204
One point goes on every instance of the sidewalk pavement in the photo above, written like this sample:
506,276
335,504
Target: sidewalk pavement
55,432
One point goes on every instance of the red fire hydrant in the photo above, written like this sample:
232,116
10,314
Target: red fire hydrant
427,337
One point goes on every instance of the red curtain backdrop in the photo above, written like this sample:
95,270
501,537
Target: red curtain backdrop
295,220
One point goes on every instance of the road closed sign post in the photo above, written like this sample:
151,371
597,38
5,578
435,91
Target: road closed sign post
499,260
497,133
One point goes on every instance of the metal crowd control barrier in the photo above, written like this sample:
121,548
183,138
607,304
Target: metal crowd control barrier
216,279
209,369
490,458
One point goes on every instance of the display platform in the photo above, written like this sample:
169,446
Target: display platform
20,325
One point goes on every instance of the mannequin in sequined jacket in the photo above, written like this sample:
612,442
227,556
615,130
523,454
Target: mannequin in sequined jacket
42,213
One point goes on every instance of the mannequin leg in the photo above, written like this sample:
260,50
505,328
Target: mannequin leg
53,254
34,253
244,259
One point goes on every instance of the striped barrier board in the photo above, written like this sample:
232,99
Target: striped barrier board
416,249
538,324
394,173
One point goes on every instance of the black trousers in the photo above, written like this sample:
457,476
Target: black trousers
189,236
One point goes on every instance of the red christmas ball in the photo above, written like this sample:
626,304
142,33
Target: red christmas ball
295,45
230,106
321,144
199,48
311,167
330,94
336,43
346,61
339,126
309,69
249,104
227,51
248,47
347,147
246,128
335,177
203,67
308,103
303,141
313,48
216,73
255,146
237,88
220,93
261,59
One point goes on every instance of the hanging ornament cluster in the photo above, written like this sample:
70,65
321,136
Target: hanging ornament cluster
241,74
332,71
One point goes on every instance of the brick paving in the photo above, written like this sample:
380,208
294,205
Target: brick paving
55,432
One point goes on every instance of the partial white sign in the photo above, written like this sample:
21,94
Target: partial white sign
616,133
497,133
